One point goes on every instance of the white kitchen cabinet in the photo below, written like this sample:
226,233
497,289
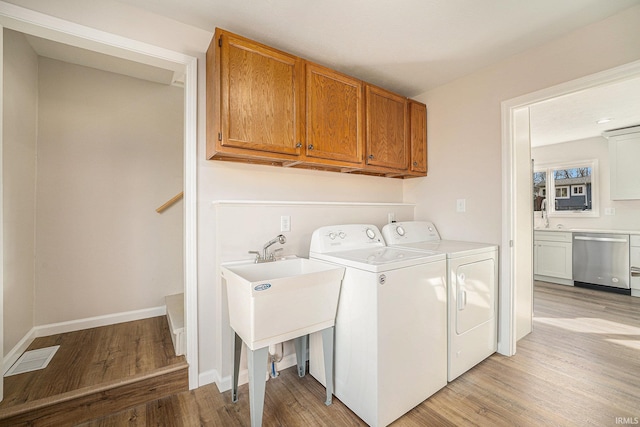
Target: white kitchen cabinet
634,264
553,257
624,152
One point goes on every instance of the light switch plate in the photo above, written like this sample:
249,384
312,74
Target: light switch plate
285,223
461,205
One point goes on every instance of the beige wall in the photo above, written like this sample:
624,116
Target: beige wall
627,215
109,153
464,120
18,179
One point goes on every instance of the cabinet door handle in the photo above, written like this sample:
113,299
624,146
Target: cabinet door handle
299,144
635,272
415,163
310,147
371,156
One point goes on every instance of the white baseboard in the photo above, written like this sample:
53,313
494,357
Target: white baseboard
556,280
15,353
77,325
224,384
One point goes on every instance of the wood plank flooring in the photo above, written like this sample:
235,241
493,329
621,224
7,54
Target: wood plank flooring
96,372
579,367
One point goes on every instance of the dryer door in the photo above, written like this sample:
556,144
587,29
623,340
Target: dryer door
473,283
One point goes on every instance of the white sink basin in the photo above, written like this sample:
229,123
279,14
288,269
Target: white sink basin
278,301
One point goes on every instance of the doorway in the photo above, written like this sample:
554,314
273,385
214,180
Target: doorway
516,294
40,25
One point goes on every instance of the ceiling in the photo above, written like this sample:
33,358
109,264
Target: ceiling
408,46
574,117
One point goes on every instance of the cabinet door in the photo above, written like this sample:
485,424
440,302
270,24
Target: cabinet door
554,259
418,137
624,152
387,143
335,111
261,97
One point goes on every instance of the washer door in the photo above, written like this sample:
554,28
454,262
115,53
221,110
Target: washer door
474,293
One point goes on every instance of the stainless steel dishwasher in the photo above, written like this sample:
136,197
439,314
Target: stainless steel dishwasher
601,259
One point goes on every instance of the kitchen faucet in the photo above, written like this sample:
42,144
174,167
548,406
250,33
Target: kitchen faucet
266,256
543,209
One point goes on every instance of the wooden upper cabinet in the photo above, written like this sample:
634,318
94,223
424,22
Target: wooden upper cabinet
257,98
387,142
267,106
418,137
334,119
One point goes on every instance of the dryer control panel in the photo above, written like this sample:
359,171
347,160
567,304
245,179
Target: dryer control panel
397,233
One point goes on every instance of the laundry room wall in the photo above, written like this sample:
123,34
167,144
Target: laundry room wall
110,151
20,97
464,122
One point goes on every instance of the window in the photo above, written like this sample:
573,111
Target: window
562,192
573,187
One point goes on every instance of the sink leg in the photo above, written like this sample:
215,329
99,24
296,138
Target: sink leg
237,348
257,380
327,349
301,349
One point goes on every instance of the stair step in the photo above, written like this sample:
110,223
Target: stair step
175,317
97,401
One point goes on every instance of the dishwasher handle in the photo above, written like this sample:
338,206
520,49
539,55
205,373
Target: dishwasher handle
600,239
635,272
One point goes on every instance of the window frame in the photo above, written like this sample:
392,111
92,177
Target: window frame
550,187
582,187
563,187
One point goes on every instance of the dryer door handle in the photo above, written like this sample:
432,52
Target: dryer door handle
462,299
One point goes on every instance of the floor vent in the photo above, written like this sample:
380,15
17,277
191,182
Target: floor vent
32,360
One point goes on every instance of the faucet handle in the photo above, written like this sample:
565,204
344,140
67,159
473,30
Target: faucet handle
257,254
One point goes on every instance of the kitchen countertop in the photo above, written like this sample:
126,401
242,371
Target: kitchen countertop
588,230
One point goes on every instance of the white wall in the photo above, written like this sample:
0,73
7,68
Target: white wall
627,215
19,174
464,126
109,153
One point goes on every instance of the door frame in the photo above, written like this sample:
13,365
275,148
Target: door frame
512,218
41,25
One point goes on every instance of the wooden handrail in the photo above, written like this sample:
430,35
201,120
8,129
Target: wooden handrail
170,202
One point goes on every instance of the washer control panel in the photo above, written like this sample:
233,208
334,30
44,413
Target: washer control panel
345,237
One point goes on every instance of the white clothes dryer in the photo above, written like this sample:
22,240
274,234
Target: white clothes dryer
391,323
472,283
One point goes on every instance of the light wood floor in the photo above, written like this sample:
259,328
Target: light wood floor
579,367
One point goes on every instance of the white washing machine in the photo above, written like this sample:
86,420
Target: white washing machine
472,291
391,323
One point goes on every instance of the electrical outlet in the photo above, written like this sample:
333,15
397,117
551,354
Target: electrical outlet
285,223
609,211
391,216
461,205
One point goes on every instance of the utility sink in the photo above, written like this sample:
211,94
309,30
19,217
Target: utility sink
277,301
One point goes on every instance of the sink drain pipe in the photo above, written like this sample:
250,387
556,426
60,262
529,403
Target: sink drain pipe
274,358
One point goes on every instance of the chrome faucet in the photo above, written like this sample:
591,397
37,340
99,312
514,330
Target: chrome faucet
266,256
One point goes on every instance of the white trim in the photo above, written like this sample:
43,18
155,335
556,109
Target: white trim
41,25
190,219
1,209
506,339
78,325
302,203
224,384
